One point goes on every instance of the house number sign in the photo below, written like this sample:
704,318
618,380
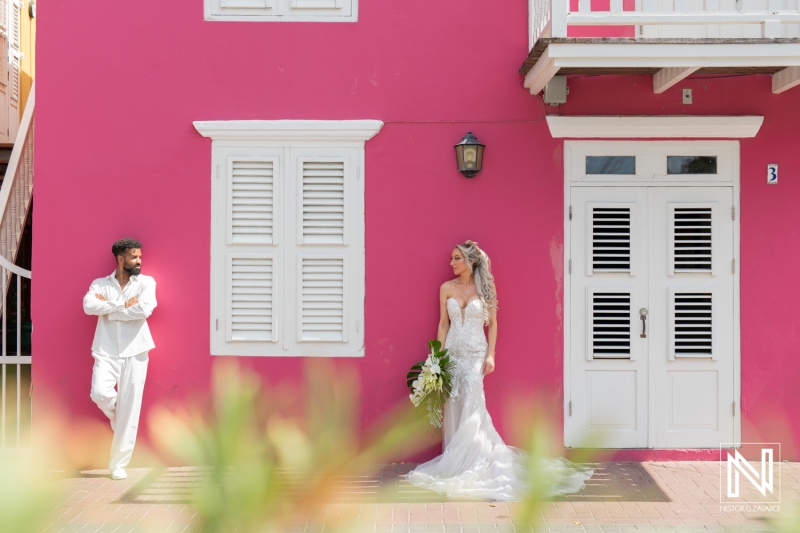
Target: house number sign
772,174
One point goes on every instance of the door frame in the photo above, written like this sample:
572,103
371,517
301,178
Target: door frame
728,157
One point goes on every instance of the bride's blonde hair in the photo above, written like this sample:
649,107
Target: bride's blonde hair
481,269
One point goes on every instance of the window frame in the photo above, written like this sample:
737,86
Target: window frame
283,11
293,141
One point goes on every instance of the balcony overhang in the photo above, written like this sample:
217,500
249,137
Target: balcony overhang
667,60
652,127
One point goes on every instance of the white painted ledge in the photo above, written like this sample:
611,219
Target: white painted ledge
289,130
641,127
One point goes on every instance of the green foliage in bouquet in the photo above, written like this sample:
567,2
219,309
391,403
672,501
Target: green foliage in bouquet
430,383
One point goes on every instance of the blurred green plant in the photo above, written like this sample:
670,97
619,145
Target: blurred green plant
27,494
788,520
546,473
273,460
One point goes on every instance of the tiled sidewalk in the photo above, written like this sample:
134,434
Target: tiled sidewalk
652,496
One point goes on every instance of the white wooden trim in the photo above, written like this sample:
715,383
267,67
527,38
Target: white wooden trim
651,164
289,130
785,79
667,77
542,72
686,127
649,55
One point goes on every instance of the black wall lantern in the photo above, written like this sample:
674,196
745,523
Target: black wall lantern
469,155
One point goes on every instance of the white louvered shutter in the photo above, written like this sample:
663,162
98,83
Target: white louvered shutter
246,4
323,293
610,239
14,65
319,7
244,8
691,324
251,281
692,244
610,324
5,130
328,251
287,237
321,217
251,190
247,261
283,10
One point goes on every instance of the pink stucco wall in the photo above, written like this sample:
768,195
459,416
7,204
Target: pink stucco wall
116,155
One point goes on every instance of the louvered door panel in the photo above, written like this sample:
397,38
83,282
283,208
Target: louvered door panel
610,242
252,200
691,238
323,290
609,325
251,297
692,325
323,202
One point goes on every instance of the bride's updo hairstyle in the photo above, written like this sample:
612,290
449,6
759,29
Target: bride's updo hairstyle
481,269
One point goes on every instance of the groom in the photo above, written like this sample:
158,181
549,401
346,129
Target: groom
122,340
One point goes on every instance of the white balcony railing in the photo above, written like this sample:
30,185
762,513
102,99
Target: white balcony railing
734,19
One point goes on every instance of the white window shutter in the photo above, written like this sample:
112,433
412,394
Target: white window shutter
328,251
283,10
318,4
287,237
322,313
250,297
251,191
246,4
246,262
319,9
5,129
15,52
4,34
323,200
12,58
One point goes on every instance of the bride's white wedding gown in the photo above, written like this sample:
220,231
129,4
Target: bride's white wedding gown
476,463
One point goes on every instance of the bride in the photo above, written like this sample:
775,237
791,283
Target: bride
476,463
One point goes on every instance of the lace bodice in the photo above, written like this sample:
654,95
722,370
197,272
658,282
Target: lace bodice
466,343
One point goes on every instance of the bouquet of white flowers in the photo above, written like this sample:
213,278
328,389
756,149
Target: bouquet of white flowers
430,384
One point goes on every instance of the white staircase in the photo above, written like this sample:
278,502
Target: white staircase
17,189
15,369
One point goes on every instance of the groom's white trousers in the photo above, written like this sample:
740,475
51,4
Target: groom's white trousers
122,405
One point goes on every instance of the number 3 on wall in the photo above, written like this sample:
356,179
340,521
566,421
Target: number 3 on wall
772,174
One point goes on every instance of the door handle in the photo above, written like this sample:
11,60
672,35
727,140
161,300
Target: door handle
643,317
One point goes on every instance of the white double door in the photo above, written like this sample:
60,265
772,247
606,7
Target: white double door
652,317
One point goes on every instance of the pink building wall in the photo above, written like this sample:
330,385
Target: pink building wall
117,155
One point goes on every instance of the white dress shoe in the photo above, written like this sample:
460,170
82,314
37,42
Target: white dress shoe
119,473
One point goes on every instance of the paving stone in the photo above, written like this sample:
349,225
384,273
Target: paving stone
622,497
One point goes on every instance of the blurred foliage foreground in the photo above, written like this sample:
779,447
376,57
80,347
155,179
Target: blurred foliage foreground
269,457
273,458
